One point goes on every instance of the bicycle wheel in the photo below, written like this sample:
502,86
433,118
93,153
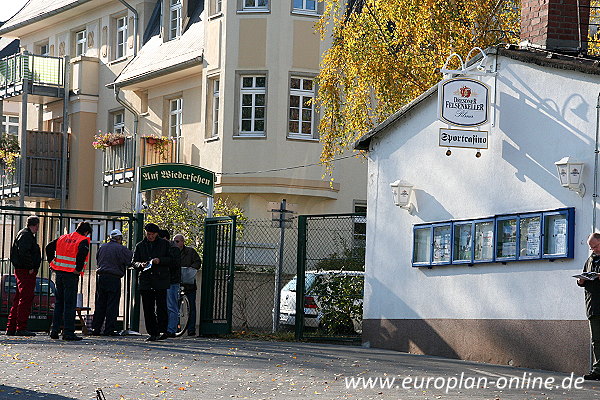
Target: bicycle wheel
184,315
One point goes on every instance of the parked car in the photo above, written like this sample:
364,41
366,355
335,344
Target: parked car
43,300
315,283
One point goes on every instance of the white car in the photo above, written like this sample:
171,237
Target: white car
312,312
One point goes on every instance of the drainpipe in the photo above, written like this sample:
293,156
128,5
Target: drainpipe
595,194
135,203
135,25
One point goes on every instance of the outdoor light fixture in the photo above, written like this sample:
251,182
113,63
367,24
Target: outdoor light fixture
403,191
569,174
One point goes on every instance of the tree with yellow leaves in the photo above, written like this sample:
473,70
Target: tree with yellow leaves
384,54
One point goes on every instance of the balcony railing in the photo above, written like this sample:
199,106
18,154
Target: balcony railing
40,71
42,169
154,153
119,161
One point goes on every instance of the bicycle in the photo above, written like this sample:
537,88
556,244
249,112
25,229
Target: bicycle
184,313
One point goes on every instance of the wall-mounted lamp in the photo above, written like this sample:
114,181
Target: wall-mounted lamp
569,174
403,191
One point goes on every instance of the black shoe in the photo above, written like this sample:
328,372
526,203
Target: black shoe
152,338
95,333
72,338
163,336
110,334
592,376
53,335
11,333
24,333
192,333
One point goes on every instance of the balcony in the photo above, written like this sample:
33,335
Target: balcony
42,169
119,159
40,76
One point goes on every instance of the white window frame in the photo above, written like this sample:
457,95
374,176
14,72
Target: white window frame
254,90
175,117
80,42
7,124
303,8
121,36
118,121
255,5
175,18
44,49
216,97
303,95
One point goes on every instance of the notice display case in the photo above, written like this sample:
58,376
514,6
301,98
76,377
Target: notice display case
442,244
463,243
484,241
502,238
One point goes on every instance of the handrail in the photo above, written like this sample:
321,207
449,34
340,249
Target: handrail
37,69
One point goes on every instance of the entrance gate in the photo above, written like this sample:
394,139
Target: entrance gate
54,223
216,295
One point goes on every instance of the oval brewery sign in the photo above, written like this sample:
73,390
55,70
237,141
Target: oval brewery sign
463,102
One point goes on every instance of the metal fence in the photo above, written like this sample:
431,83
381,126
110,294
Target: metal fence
257,257
331,259
54,223
42,70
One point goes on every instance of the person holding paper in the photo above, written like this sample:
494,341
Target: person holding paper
592,302
152,257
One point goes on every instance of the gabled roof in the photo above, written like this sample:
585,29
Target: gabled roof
586,65
8,46
37,10
157,58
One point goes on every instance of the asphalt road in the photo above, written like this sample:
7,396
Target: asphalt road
199,368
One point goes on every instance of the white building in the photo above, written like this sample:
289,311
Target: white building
515,303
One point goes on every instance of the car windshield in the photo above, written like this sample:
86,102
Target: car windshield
308,283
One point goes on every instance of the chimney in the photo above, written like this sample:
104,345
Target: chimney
553,24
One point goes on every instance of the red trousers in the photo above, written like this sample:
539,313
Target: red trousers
21,306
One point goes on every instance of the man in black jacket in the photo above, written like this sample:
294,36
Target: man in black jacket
175,287
592,302
25,256
153,258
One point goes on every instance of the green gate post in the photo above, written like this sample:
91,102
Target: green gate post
135,292
300,277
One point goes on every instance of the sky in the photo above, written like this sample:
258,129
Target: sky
10,7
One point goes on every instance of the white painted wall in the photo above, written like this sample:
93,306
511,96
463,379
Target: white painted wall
542,115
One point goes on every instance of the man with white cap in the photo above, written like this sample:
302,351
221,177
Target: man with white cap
112,259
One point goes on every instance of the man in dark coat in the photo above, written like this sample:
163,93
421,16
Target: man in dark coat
190,263
592,302
113,258
25,256
152,257
174,288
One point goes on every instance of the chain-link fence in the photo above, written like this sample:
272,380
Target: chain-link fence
257,257
331,262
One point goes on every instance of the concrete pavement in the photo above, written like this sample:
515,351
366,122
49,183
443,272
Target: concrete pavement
199,368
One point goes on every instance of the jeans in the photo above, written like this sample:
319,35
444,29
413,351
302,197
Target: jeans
108,295
156,318
66,301
173,307
21,306
191,295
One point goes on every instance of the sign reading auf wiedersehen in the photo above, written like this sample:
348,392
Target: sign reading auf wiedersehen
463,102
463,138
177,176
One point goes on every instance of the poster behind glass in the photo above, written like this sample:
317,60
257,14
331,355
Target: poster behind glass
484,241
529,242
507,238
463,242
555,238
441,244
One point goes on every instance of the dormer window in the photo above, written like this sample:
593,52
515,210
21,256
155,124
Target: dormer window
175,7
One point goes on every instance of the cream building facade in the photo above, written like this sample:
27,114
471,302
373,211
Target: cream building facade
229,83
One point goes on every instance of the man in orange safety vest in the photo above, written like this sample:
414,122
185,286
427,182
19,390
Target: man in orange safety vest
67,256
